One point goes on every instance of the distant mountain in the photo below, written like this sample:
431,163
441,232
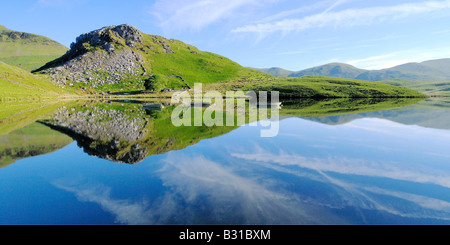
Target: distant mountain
432,70
27,51
275,71
427,70
330,70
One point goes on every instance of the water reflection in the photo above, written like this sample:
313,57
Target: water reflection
382,170
379,167
31,140
130,131
127,132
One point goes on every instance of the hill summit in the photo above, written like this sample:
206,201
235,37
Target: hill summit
121,57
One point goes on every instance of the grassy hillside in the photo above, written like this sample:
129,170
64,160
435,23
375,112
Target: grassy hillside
18,84
27,51
321,87
189,62
432,88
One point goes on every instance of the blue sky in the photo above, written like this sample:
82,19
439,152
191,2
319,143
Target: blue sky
292,34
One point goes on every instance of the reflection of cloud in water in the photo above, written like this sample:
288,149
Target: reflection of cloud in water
393,170
197,183
125,211
201,191
358,195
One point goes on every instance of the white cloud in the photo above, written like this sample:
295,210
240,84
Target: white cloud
354,62
303,9
125,211
349,166
194,177
347,18
194,14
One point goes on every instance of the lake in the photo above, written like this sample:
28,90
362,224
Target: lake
119,163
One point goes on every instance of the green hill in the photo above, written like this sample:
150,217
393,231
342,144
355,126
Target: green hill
27,51
121,58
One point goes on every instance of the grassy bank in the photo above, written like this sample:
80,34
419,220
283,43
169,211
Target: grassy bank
19,85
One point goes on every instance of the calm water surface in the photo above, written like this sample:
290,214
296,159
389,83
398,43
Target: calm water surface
383,167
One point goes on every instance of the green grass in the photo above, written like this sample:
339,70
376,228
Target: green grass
189,62
18,84
328,87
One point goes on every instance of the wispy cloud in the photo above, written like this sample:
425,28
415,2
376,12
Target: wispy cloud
194,14
347,18
372,58
125,211
195,177
300,10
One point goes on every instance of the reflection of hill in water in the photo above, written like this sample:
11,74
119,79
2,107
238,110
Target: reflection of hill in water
332,107
431,113
126,132
32,140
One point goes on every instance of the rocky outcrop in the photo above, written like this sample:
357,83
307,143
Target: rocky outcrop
109,35
99,68
100,57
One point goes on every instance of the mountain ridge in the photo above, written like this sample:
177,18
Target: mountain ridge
437,69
